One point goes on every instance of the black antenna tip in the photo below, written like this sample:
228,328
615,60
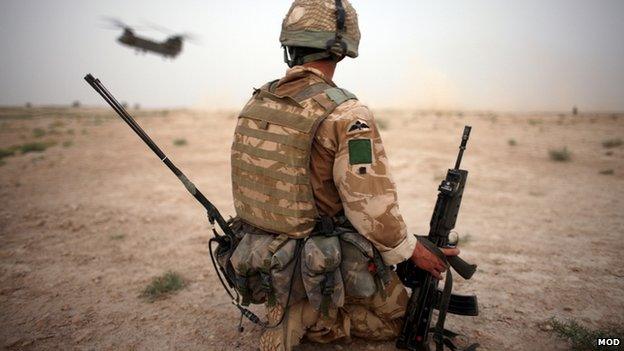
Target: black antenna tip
89,78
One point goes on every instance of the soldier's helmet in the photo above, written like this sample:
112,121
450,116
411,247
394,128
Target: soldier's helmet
319,29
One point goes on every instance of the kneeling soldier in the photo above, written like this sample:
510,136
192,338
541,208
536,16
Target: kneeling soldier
311,185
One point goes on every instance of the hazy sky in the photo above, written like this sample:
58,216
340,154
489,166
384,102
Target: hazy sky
471,54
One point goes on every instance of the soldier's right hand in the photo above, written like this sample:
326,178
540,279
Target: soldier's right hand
428,261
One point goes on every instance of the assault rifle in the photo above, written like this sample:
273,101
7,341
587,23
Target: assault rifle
225,242
426,296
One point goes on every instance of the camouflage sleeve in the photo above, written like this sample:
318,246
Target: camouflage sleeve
362,177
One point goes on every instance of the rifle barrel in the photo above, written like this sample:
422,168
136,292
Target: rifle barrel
462,146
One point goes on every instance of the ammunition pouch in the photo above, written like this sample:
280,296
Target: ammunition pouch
364,271
263,265
335,262
250,264
356,271
286,273
319,268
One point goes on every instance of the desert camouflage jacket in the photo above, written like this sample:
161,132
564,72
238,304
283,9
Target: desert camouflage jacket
363,188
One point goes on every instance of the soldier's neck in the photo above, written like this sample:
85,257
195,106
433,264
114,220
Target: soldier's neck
327,67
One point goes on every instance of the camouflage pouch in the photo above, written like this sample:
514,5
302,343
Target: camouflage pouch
320,272
283,274
357,255
252,261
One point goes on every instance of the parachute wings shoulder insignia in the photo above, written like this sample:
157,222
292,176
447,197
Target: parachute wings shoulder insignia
357,127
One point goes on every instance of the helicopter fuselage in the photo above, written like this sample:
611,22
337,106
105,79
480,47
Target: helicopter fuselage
168,48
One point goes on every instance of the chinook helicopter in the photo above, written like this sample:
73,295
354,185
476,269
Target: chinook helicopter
169,48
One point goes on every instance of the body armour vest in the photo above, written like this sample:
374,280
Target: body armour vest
271,157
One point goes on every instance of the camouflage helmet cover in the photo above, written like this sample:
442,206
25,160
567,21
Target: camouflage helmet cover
314,24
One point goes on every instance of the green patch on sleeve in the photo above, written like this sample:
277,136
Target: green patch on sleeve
360,151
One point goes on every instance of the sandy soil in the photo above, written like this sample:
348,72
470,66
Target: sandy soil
84,227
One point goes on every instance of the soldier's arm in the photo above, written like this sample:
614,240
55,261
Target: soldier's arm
366,188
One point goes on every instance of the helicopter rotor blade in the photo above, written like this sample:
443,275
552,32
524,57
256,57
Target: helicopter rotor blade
158,27
115,23
187,36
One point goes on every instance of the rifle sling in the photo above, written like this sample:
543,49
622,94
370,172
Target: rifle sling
441,335
438,334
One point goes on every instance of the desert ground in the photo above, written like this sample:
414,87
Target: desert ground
91,218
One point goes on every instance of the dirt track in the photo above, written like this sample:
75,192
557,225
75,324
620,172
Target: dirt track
84,227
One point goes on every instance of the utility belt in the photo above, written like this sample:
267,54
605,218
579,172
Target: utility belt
333,262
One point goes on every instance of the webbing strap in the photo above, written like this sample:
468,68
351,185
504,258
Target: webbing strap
276,209
311,90
277,243
290,140
270,155
339,95
282,194
265,94
278,226
283,118
328,104
289,178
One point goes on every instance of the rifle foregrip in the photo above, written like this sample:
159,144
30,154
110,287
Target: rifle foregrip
463,268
